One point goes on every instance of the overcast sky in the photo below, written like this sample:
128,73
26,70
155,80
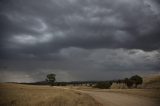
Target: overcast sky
78,39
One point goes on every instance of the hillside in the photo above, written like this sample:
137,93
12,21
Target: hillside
152,81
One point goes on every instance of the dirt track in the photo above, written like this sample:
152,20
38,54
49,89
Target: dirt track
118,99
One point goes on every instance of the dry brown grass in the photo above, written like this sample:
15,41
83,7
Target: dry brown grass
28,95
152,81
151,78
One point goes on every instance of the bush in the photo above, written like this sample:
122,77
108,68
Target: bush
119,86
60,84
103,85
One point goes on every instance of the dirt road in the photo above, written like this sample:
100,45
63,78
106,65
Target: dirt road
118,99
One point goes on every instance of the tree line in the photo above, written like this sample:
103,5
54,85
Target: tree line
133,80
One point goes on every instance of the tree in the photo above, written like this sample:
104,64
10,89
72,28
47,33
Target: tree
128,82
136,80
51,79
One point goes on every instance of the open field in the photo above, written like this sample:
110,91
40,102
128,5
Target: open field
35,95
28,95
122,97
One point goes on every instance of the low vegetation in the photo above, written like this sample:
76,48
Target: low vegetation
103,85
119,86
131,82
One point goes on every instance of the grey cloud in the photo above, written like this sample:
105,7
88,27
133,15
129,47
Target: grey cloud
80,35
88,24
75,62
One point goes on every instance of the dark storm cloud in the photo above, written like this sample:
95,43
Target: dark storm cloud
35,34
87,24
79,63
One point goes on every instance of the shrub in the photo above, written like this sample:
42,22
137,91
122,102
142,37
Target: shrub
103,85
119,86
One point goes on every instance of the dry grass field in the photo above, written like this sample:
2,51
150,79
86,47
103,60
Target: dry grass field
152,81
29,95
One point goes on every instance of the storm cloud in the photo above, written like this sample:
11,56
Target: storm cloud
75,38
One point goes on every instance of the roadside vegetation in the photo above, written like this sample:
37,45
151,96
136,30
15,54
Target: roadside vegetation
132,82
103,85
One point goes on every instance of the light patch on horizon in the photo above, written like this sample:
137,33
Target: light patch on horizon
8,76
